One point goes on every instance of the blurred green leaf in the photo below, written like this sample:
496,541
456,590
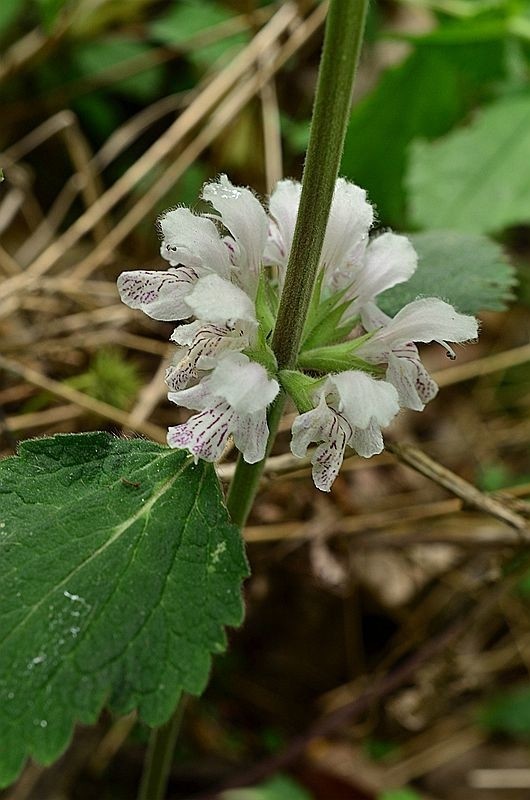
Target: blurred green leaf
278,788
189,18
379,749
494,477
9,13
509,712
98,55
49,10
105,15
296,133
467,270
399,794
98,113
478,177
423,97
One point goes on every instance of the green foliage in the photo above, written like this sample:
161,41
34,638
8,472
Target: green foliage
508,713
49,11
98,55
477,178
494,477
111,378
119,570
378,749
9,14
191,17
467,270
399,794
422,98
336,358
324,323
296,133
278,788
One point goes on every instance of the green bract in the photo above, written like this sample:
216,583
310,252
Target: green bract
119,570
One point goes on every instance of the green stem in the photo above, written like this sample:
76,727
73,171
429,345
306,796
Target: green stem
244,485
159,755
342,45
340,54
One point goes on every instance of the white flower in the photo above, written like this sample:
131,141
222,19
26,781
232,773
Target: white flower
232,400
383,262
241,213
283,208
195,248
216,262
350,219
226,321
351,261
392,343
352,408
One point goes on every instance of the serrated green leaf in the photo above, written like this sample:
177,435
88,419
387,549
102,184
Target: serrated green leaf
467,270
405,106
119,570
477,178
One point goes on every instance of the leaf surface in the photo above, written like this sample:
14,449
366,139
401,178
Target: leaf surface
404,106
119,570
477,178
467,270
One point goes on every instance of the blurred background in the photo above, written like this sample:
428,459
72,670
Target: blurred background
386,650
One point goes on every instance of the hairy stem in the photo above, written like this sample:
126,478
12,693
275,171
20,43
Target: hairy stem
340,54
342,44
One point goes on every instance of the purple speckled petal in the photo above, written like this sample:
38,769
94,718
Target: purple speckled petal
204,435
159,294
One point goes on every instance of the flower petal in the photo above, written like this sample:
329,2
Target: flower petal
389,259
217,300
196,397
350,219
193,241
251,434
310,427
283,209
363,398
414,385
204,435
331,432
159,294
205,343
242,383
367,442
244,216
429,320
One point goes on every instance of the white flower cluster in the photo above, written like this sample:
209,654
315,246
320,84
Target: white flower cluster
357,366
